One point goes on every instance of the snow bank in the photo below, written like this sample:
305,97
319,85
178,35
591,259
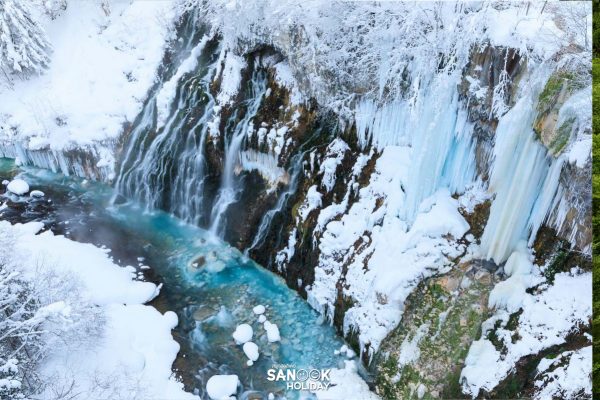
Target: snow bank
101,68
91,264
135,351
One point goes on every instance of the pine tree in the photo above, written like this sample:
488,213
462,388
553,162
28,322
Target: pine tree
24,47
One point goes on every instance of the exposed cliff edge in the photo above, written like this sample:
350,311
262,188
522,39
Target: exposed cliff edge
430,194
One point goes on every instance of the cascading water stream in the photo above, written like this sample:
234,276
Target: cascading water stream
229,189
163,166
267,219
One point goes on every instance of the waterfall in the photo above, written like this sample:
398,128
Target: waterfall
267,219
164,161
229,190
163,164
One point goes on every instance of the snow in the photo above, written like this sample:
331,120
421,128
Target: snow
409,349
510,293
285,77
580,152
333,158
93,266
259,309
285,255
577,110
231,78
100,71
166,94
272,332
548,315
220,387
566,376
251,351
346,384
37,193
399,254
312,202
135,349
262,319
18,187
243,333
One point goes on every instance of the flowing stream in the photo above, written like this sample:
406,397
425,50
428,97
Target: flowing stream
209,284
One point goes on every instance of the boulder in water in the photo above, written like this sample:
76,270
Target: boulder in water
243,333
222,386
18,187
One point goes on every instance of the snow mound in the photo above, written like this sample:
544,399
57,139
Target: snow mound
243,333
259,309
272,332
18,187
251,351
221,387
37,193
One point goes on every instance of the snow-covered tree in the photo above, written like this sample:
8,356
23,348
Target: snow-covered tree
53,8
39,313
24,47
20,344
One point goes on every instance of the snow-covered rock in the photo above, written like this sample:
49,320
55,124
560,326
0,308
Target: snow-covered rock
220,387
251,351
272,332
37,193
243,333
18,187
259,309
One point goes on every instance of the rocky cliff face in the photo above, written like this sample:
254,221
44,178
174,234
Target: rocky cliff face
430,228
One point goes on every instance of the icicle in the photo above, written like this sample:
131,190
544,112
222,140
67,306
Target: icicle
266,165
518,175
436,129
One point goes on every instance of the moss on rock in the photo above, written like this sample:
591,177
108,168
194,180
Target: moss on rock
442,318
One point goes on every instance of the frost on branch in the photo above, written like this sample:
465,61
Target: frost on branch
24,48
40,312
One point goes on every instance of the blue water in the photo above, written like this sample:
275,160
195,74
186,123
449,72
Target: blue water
209,284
